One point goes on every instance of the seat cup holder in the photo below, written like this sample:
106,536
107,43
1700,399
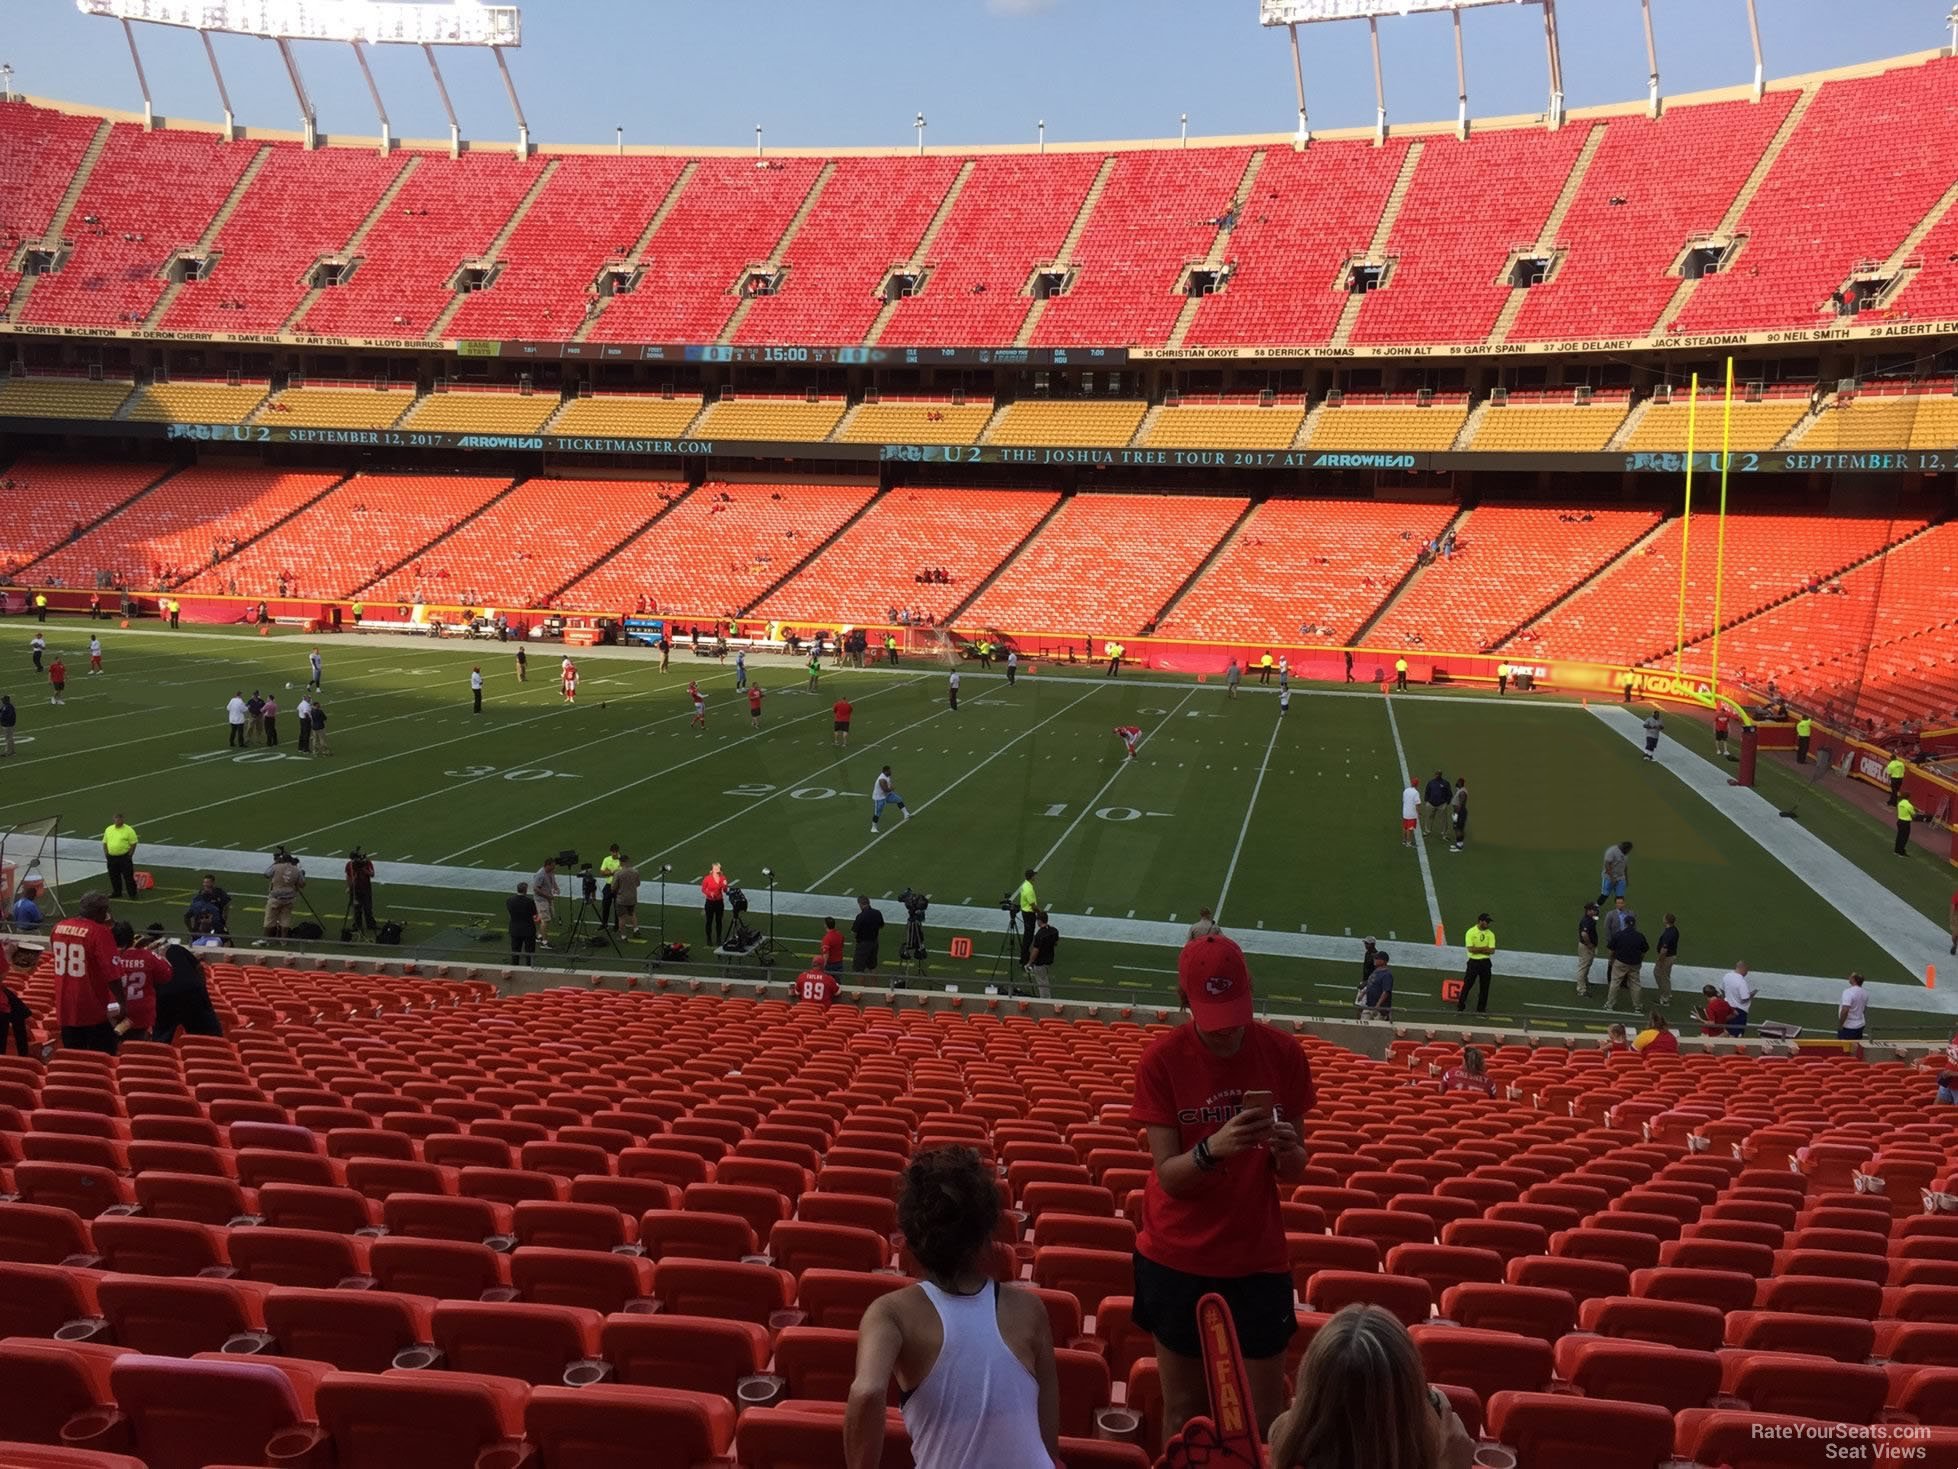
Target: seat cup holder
100,1430
515,1454
1494,1456
589,1372
84,1329
305,1447
251,1344
1118,1425
417,1359
760,1391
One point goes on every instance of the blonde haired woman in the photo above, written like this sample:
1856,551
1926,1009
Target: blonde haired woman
1363,1402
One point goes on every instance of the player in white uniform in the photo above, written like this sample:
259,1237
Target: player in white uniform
883,794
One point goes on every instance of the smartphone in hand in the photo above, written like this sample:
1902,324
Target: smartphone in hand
1258,1101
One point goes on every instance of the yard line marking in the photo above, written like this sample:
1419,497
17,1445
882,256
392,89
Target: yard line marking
947,790
493,728
617,791
1124,765
1244,830
444,790
1420,845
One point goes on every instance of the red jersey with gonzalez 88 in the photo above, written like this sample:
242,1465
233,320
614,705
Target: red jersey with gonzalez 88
84,954
1180,1083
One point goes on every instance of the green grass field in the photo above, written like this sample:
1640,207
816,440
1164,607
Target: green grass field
1288,826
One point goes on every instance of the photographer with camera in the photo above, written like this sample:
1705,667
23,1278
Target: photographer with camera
1040,963
360,892
209,911
283,880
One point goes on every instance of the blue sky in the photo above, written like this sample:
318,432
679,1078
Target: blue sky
850,73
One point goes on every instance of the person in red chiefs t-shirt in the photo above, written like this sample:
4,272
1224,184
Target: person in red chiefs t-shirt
1222,1099
138,972
58,680
817,987
840,713
1715,1014
831,959
754,706
84,953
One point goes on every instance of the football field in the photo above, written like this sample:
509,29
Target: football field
1287,825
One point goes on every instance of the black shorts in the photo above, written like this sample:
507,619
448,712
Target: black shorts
1261,1308
842,726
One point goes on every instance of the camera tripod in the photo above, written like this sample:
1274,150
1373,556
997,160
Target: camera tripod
913,951
588,928
1007,954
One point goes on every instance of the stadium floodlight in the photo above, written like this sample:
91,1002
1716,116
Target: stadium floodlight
1294,13
1304,12
355,23
375,22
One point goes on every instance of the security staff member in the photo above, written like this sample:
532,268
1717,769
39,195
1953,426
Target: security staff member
1265,666
1029,915
40,606
1481,945
1502,678
1895,770
522,909
1906,813
1400,673
1804,727
360,611
1587,949
119,852
608,873
1114,652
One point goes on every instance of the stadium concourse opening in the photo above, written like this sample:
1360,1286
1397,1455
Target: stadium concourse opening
448,583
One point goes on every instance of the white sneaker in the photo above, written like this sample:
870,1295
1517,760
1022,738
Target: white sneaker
907,812
873,828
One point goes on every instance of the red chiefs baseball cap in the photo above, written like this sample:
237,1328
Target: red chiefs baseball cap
1215,982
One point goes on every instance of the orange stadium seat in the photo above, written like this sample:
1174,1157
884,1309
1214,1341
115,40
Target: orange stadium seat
1144,545
718,548
863,575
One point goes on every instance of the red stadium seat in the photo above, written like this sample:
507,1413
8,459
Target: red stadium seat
418,1420
355,1330
184,1415
604,1427
1639,1371
1551,1430
696,1353
532,1343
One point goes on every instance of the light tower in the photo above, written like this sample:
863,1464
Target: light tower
355,23
1292,14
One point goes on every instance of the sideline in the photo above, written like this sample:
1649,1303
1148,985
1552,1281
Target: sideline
1910,938
1555,970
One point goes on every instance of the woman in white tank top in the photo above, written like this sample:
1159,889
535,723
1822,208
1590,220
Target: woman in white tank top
973,1360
